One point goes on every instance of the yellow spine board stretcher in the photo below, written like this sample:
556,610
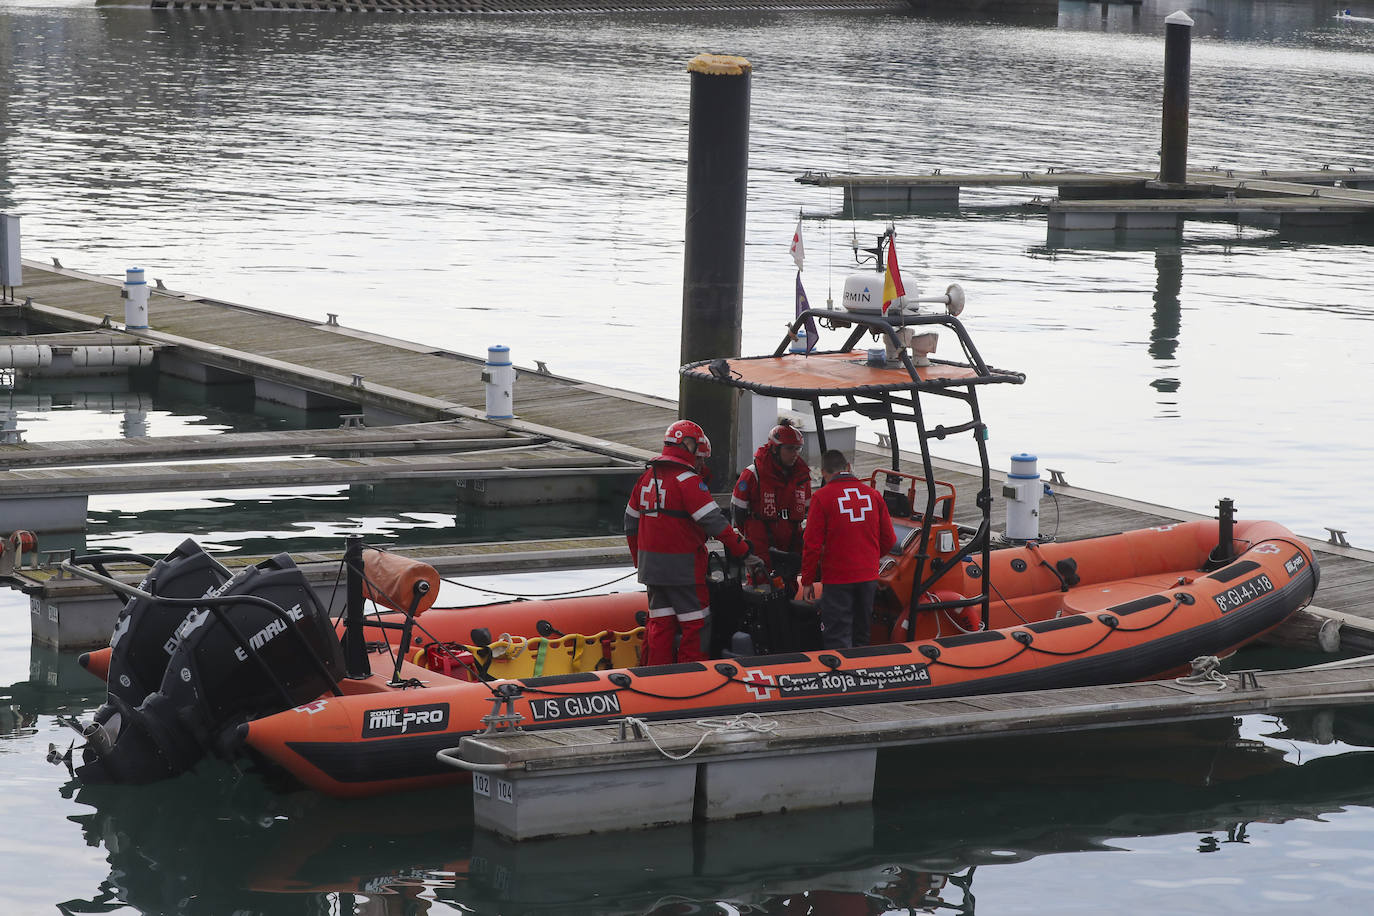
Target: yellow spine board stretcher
537,656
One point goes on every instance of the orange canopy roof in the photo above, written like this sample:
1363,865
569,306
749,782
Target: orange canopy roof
842,373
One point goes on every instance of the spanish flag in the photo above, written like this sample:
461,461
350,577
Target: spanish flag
892,277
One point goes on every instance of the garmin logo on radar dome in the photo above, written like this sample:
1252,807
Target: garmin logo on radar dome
862,298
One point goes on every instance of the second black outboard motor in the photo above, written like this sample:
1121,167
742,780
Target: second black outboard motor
145,631
756,613
234,661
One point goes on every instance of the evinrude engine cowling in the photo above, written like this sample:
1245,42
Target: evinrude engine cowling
234,661
145,631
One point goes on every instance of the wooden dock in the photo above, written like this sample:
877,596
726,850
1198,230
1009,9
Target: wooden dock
1097,201
634,774
359,370
444,389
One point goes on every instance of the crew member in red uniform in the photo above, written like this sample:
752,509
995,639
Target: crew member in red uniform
703,452
771,496
847,533
668,518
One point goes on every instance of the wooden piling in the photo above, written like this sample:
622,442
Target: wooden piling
1173,138
713,259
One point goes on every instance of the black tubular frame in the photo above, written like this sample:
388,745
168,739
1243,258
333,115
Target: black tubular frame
893,401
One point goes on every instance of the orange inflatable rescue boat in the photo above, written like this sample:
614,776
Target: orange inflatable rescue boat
251,664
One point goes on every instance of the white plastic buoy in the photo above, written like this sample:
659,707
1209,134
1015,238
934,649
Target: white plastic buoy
1022,492
799,345
25,356
135,295
112,356
499,376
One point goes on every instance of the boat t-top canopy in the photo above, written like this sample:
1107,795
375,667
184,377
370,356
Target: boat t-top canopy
884,384
848,372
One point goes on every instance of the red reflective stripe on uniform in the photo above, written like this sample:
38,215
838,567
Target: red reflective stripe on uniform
705,510
695,615
660,612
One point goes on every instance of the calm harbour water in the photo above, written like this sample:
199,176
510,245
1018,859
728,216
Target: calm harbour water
519,180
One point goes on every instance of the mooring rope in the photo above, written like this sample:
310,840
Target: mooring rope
573,591
745,721
1206,670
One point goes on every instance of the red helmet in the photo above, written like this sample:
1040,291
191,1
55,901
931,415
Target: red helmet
681,431
703,446
785,434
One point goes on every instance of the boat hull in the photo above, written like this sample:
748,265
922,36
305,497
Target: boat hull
382,741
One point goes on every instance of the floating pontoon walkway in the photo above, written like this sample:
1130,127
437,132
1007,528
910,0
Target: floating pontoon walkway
315,362
509,462
1136,200
579,780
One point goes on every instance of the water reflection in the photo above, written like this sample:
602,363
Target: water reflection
1168,317
264,522
941,816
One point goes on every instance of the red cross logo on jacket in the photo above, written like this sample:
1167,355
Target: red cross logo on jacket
855,504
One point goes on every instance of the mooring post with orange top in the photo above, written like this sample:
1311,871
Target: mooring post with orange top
1173,135
713,268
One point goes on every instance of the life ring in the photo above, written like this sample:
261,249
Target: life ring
22,542
967,618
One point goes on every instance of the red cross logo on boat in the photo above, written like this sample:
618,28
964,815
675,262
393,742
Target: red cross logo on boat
1267,547
312,708
859,504
756,682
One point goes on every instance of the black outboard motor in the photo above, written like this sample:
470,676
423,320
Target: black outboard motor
767,618
145,631
234,660
723,577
